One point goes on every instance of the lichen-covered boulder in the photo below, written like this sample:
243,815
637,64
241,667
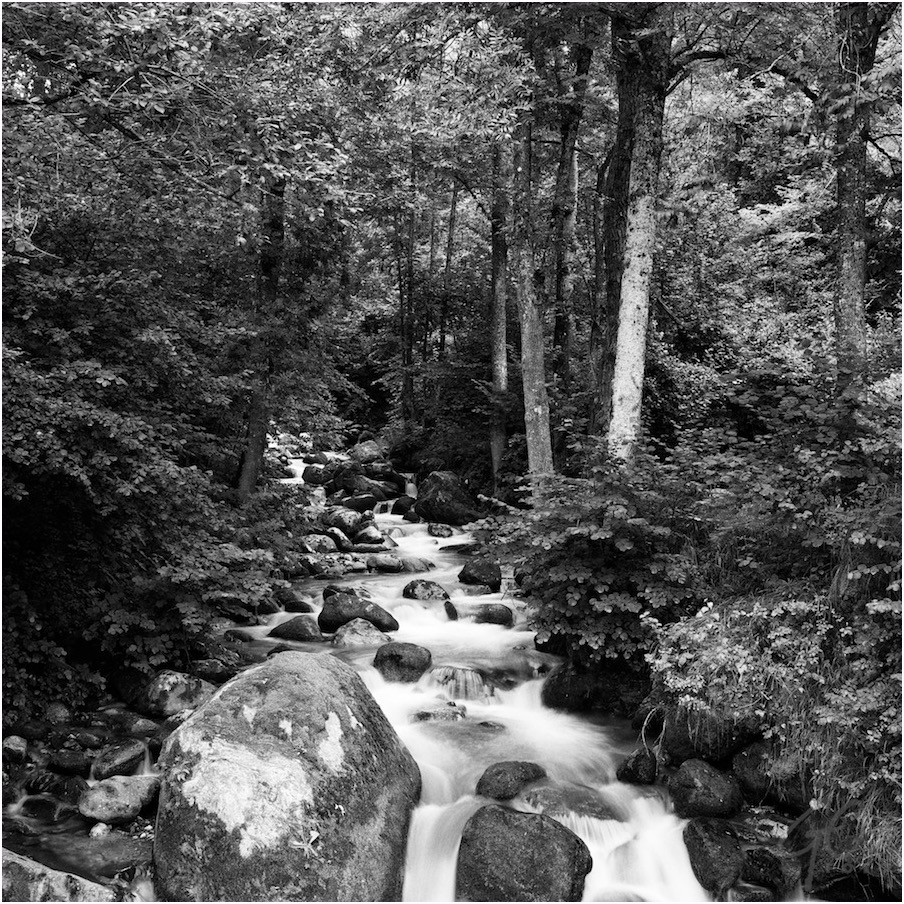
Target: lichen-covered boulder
173,692
28,880
510,856
289,785
420,589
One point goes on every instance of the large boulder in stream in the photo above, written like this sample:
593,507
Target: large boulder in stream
342,608
443,497
290,785
506,855
422,590
301,628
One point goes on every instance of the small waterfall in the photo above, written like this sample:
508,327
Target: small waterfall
459,683
383,508
433,842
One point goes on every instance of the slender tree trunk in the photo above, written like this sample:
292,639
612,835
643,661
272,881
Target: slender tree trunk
564,210
858,36
533,369
650,55
598,301
404,320
408,406
271,261
499,305
450,241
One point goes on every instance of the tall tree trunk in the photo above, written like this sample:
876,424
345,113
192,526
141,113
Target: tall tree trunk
648,56
564,210
614,223
447,269
498,305
598,300
533,368
859,27
271,261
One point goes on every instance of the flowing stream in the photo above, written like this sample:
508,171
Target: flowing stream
490,678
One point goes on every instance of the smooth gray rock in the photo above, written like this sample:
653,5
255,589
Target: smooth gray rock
119,799
510,856
715,854
301,628
482,573
402,661
360,633
697,789
503,781
120,758
342,608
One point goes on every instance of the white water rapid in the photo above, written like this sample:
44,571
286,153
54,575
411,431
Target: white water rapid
634,838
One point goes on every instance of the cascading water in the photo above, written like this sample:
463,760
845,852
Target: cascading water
492,675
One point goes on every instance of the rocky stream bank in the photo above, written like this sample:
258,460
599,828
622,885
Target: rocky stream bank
365,734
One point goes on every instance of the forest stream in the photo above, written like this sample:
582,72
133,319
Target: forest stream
479,704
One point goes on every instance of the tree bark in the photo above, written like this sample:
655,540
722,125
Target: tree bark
450,242
614,222
859,29
499,306
647,59
598,300
272,253
564,210
533,368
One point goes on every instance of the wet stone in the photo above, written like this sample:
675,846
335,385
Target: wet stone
424,590
300,628
449,712
503,781
70,762
119,759
402,661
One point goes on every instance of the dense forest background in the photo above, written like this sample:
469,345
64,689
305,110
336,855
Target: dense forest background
481,233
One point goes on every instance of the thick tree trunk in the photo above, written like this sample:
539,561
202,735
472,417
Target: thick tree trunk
614,222
533,368
447,269
499,305
564,210
858,36
272,253
649,55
